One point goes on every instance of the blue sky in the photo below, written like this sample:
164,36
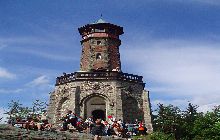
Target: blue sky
174,44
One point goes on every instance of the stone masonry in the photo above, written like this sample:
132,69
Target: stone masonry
100,88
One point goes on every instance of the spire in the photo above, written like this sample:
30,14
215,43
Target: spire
101,20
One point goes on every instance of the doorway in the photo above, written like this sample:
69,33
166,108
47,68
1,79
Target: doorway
95,106
98,114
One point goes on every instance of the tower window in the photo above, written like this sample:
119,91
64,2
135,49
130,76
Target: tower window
99,42
100,30
98,56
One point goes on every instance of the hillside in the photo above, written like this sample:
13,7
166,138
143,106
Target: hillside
8,132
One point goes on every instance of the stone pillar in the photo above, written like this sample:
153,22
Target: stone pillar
118,104
51,108
76,101
147,111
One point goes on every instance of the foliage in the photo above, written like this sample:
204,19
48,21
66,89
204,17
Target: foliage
169,122
168,119
17,111
147,137
186,125
161,136
208,126
39,107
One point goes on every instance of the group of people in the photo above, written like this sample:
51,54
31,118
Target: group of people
99,127
72,122
33,122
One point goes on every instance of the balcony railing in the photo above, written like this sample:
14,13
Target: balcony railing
106,75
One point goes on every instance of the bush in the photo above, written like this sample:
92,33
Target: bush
161,136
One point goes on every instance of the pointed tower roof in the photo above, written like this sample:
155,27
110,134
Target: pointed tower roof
100,21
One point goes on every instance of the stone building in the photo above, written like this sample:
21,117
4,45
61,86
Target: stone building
100,88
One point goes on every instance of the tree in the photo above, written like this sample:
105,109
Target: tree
39,106
208,126
188,119
168,119
16,110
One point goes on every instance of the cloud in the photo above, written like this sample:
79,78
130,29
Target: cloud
28,45
2,45
39,81
175,102
210,2
38,88
181,69
6,74
10,90
49,55
207,2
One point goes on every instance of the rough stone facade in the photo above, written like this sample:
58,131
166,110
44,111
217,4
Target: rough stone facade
100,88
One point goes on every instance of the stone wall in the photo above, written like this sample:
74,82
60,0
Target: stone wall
124,100
100,53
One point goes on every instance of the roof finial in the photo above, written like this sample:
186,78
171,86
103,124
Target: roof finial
100,20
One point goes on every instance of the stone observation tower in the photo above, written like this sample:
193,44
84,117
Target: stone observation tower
100,88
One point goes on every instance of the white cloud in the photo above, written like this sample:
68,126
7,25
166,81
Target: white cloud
28,47
2,45
39,81
10,90
39,87
178,68
175,102
49,55
211,2
6,74
207,2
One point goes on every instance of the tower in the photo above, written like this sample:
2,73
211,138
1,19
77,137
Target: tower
100,46
100,88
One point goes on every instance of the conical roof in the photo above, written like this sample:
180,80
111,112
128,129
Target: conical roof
100,21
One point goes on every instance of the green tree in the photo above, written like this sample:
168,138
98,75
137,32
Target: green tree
15,110
188,120
38,107
167,120
207,127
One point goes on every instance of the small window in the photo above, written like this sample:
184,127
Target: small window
98,56
99,42
100,30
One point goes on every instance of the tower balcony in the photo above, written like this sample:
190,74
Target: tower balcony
97,76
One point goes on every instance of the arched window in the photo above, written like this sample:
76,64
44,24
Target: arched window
98,56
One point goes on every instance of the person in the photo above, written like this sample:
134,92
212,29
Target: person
106,128
42,122
98,129
29,124
18,123
73,119
66,120
117,128
46,125
141,129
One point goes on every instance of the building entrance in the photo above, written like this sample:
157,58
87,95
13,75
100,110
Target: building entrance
98,114
96,107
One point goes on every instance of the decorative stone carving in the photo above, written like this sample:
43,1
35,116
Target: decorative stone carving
98,87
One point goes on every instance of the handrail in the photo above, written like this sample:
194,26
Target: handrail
103,75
